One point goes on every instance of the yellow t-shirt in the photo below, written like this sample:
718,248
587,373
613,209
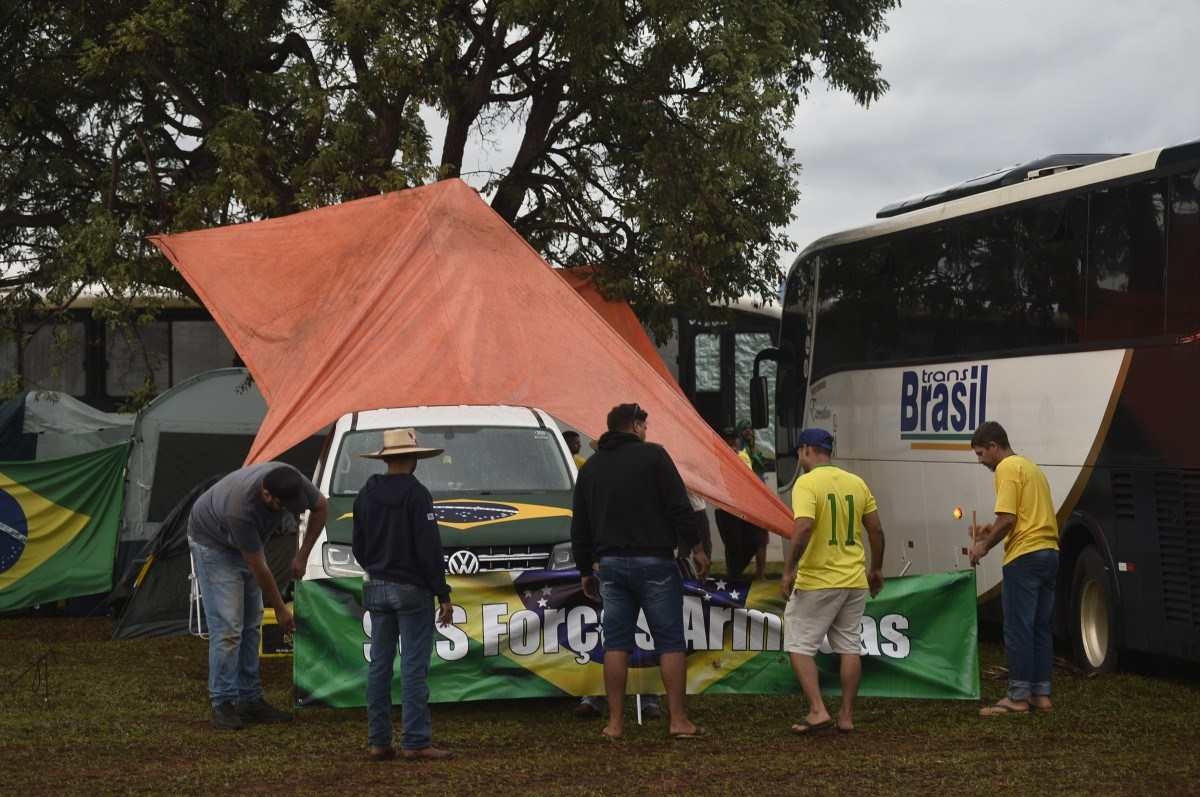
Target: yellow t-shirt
744,456
1022,490
836,500
579,460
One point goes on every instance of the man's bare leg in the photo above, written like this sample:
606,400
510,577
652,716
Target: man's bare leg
616,669
805,668
674,675
851,673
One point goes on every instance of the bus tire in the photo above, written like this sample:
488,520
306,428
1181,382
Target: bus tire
1093,615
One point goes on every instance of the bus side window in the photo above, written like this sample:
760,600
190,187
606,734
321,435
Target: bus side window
1126,262
134,355
1183,251
1054,239
54,359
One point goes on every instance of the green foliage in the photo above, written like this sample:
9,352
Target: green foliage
651,134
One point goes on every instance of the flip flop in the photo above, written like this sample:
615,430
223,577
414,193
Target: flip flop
610,737
699,733
1000,710
845,730
804,726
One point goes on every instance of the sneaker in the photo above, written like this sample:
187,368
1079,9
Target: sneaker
225,717
261,712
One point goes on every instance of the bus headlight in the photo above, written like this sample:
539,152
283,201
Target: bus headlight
561,557
338,560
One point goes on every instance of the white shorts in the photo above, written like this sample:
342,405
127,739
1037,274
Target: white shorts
813,613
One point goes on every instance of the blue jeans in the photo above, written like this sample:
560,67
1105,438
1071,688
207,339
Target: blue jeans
399,613
233,610
648,583
1027,596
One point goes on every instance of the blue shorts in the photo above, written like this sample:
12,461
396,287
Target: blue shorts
647,583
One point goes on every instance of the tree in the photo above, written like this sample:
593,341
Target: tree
648,136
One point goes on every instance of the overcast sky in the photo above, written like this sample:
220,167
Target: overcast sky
977,85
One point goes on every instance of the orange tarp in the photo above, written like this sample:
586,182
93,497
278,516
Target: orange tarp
620,317
426,297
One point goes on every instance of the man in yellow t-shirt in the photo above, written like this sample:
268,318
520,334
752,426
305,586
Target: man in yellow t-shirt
575,446
1026,522
825,578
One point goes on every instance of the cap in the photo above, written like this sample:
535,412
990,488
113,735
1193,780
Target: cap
742,425
623,415
815,437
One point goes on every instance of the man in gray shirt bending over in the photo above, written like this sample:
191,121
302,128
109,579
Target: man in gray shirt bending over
227,528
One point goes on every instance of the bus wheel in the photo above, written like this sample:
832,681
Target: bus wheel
1093,614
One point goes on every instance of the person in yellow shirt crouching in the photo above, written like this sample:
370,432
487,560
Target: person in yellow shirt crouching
1025,521
826,579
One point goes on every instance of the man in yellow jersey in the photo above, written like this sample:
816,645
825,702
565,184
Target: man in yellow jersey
1025,521
573,443
825,579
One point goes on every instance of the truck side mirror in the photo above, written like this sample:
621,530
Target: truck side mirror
758,402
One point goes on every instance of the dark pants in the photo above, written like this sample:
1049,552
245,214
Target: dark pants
1027,596
741,540
399,613
701,518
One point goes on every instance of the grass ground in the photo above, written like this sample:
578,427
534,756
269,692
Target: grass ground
132,717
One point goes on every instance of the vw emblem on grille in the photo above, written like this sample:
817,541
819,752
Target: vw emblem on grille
463,563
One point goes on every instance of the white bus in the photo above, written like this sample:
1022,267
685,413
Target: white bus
1060,298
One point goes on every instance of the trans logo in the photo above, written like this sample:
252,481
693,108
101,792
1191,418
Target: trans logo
940,408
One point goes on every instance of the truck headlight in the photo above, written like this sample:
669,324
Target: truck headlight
561,557
338,560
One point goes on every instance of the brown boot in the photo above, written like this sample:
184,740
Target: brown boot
382,753
430,753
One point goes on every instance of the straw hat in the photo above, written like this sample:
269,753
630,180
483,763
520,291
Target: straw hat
402,443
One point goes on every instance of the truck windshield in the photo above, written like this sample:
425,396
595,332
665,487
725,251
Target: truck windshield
479,459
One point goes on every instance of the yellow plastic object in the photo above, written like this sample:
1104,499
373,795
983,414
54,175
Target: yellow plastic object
272,643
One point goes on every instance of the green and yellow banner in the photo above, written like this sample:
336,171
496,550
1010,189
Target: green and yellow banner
534,634
59,520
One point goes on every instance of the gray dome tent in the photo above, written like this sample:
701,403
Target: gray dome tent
201,428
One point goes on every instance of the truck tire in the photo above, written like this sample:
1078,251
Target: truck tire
1093,615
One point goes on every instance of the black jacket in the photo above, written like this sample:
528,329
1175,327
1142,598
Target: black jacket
629,501
396,537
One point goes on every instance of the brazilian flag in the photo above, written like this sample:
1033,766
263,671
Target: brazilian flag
58,526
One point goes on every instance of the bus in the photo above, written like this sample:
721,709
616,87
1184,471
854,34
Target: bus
1060,298
85,355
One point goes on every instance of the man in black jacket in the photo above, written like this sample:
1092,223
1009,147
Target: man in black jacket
630,509
397,543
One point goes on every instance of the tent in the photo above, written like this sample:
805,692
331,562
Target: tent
45,424
202,426
426,297
154,598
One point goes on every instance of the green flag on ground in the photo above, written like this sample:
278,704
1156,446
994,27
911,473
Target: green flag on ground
58,526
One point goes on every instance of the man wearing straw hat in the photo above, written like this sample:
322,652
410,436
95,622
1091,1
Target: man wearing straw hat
397,543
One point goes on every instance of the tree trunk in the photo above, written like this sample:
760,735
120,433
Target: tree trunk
510,194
